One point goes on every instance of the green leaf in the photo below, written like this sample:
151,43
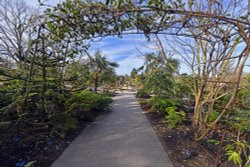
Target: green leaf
50,25
150,3
234,157
229,148
216,142
179,1
237,40
76,13
30,164
119,3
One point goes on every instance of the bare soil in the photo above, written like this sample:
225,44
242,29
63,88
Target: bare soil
44,151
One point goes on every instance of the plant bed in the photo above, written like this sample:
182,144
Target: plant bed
41,150
179,144
38,140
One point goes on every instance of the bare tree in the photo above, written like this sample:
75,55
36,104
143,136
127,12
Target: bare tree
15,29
216,66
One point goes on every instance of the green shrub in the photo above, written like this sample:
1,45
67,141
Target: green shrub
236,152
108,93
142,94
243,98
173,118
161,104
78,106
240,119
213,115
103,102
9,91
85,104
61,123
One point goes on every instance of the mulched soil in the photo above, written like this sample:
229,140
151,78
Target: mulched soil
44,150
180,140
35,144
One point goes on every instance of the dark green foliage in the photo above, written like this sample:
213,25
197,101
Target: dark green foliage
159,74
61,111
183,85
243,98
239,116
61,123
79,73
141,93
9,91
101,70
108,93
85,104
212,116
160,104
240,119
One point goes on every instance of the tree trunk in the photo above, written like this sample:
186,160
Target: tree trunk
96,81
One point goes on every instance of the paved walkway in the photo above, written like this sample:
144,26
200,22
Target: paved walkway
121,138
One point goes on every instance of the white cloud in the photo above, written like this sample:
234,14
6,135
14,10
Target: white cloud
114,48
128,64
127,52
125,55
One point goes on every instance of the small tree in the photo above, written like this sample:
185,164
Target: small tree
99,66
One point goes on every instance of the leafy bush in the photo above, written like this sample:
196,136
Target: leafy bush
240,119
182,85
108,93
60,112
237,152
80,106
174,118
213,115
142,94
61,124
84,104
243,98
9,91
161,104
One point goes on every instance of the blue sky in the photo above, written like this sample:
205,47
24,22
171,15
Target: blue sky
124,51
35,2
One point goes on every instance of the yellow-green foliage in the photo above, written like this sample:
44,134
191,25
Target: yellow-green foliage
237,152
173,117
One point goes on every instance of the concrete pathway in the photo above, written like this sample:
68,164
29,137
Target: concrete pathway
121,138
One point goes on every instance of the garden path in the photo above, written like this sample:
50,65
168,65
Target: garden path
121,138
